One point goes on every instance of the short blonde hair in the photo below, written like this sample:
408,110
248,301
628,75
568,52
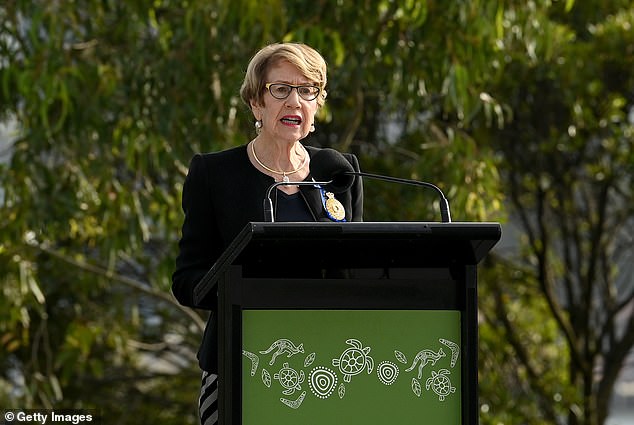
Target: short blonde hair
309,62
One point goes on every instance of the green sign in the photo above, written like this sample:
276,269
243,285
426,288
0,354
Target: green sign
351,367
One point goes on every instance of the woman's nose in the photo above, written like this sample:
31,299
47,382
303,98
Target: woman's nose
293,99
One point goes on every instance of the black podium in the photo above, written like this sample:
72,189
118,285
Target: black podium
357,323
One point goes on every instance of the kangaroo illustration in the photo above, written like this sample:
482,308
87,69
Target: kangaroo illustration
283,346
424,357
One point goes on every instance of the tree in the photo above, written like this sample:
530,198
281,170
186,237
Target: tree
113,98
91,193
568,172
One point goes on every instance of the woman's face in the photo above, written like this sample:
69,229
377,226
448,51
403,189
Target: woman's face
287,119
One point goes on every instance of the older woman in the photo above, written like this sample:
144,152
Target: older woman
284,87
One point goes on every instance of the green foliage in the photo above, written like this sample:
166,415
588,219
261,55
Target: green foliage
112,98
568,170
517,355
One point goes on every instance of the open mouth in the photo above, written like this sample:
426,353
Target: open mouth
291,120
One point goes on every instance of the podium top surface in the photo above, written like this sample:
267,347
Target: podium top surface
355,245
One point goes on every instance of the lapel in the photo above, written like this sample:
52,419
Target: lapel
313,195
313,199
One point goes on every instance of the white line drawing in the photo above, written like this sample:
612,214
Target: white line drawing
387,372
455,350
416,387
400,357
294,404
440,384
266,378
289,379
354,360
309,359
255,360
423,357
342,390
283,346
322,381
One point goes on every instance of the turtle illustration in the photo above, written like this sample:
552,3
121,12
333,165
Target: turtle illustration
354,360
289,379
440,383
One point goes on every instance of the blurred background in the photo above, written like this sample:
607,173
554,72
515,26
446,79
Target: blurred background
521,111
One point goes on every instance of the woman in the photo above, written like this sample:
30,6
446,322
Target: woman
284,86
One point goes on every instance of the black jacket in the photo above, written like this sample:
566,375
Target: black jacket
221,194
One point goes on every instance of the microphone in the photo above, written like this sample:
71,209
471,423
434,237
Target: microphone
331,166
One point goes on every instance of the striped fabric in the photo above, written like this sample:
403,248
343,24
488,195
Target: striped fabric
208,401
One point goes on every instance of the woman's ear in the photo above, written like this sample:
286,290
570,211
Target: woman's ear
255,108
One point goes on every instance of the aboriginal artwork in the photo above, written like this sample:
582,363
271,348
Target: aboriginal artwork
428,372
283,346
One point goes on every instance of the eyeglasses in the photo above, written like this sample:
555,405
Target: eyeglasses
282,91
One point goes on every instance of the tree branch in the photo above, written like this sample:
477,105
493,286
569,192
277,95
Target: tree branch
145,288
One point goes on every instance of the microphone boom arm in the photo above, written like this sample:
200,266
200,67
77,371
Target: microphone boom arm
445,213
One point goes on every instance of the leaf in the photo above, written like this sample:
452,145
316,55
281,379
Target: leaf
35,290
309,359
569,5
416,388
266,378
400,356
56,387
342,390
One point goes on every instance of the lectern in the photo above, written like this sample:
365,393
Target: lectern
355,323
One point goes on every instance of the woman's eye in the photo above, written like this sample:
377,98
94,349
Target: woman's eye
282,90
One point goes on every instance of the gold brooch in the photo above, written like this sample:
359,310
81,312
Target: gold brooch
334,208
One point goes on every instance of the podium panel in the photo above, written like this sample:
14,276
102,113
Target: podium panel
351,366
356,323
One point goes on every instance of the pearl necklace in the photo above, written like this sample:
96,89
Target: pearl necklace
284,174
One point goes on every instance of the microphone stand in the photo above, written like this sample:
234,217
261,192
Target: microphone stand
269,215
445,214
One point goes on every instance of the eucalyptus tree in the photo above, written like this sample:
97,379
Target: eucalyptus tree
111,99
565,305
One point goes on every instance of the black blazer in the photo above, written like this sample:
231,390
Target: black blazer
221,194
